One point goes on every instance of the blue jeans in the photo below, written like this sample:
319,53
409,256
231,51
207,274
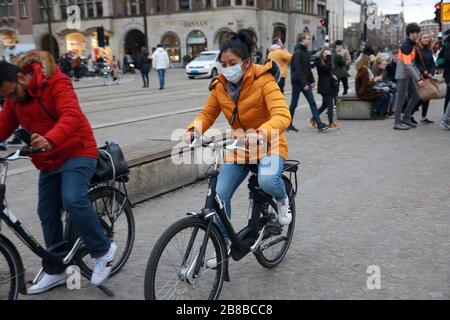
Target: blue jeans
69,187
309,95
382,105
145,79
162,76
269,178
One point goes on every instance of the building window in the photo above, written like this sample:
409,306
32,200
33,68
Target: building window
250,3
239,2
88,8
321,10
223,3
184,4
277,5
7,9
43,9
23,8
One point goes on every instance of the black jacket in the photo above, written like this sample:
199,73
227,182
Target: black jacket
144,63
327,85
444,55
389,73
301,67
428,60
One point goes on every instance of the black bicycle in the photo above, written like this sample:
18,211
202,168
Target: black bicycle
178,267
110,200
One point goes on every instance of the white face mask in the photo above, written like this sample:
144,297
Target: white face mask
233,74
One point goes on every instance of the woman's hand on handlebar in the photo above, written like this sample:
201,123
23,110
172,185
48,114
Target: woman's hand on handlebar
254,139
188,137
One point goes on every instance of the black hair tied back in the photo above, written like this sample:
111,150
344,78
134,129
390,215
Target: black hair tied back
243,43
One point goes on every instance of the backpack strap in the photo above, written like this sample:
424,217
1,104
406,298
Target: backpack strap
51,116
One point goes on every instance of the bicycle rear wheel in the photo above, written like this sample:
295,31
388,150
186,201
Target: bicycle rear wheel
168,278
9,273
116,217
274,247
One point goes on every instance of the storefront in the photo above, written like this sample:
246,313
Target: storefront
76,43
8,38
171,44
196,43
97,51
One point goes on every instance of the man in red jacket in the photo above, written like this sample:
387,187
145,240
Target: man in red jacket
40,98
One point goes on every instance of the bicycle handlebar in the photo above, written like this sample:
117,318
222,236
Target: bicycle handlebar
23,153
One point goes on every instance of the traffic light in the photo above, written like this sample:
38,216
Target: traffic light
437,13
101,37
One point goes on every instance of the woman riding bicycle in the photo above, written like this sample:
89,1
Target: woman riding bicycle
252,102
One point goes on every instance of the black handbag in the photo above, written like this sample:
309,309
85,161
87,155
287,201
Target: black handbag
111,163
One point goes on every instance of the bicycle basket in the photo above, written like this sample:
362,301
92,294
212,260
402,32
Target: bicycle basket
111,163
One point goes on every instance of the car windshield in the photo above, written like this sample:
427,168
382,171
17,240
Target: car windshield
206,57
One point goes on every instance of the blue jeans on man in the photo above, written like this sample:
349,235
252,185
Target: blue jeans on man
309,95
162,78
68,187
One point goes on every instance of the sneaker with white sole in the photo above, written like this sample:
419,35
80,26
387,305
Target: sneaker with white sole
284,212
103,266
47,282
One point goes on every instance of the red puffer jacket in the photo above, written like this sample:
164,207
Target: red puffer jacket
52,111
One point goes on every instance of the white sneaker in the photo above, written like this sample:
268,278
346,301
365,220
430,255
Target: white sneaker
284,212
103,266
47,282
211,263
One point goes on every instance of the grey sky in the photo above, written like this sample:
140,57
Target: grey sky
415,10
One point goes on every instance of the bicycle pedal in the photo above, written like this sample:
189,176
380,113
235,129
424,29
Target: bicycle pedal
274,228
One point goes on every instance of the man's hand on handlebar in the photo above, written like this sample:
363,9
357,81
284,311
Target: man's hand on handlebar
38,142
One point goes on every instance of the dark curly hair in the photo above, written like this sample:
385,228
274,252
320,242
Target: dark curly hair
242,44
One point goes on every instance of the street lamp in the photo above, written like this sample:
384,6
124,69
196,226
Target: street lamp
144,15
49,23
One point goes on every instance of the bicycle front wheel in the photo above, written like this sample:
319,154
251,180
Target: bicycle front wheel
9,273
170,275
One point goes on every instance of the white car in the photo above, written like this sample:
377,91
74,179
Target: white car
205,65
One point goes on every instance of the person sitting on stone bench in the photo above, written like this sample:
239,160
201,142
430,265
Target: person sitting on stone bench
365,82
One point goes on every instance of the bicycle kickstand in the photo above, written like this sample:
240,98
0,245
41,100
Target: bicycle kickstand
106,291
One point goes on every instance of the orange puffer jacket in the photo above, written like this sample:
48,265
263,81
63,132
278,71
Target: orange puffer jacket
261,107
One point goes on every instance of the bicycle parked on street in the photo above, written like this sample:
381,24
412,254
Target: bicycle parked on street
178,267
110,200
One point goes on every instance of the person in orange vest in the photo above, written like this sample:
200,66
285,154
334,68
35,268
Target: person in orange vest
283,58
408,78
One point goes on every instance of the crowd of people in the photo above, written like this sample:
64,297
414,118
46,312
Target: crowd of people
398,86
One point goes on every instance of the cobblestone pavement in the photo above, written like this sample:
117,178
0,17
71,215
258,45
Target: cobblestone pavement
368,196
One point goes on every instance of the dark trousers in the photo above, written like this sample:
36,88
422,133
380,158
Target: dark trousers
328,104
382,105
68,187
309,95
146,79
344,83
282,84
425,105
447,97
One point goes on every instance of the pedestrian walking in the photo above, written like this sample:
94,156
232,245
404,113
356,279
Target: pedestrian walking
443,62
115,68
408,78
424,61
303,81
327,85
283,57
161,62
342,65
76,67
145,65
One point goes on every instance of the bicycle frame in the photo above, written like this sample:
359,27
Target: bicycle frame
24,234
